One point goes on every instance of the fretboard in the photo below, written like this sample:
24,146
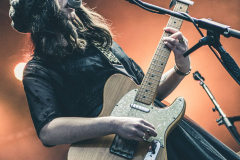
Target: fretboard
148,89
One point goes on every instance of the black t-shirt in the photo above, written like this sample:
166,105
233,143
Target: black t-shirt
72,87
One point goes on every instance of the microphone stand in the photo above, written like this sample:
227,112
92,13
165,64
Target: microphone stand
212,39
214,30
227,121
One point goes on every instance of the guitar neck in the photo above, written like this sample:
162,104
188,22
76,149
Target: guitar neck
148,89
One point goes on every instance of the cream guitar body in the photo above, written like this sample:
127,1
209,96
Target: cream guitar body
119,93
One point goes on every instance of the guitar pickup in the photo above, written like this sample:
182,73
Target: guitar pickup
140,108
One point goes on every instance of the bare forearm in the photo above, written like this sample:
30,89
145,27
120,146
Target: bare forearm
65,130
179,45
169,82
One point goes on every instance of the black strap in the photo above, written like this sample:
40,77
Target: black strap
113,60
108,54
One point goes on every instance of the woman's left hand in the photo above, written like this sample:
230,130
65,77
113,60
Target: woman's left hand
179,45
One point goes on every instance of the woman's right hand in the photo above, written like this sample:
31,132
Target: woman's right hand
133,128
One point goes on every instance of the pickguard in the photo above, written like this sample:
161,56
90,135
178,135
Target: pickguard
161,118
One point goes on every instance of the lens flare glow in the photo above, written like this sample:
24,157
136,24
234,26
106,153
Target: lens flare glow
18,71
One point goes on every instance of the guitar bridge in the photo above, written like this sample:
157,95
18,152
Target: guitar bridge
123,147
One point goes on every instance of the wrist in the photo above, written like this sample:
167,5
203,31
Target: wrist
182,72
183,64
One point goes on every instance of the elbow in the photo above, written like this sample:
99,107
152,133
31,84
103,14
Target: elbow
45,137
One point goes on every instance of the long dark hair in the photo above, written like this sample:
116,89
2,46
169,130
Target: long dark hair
49,24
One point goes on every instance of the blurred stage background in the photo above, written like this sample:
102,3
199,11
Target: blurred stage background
138,33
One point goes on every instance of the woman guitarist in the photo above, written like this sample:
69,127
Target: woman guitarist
64,80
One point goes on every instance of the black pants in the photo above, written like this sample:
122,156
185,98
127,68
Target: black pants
190,141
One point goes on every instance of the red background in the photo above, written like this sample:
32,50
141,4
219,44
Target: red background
138,32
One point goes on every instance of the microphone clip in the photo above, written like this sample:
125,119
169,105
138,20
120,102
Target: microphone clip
203,41
74,3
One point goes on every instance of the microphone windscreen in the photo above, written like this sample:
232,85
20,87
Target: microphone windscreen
75,3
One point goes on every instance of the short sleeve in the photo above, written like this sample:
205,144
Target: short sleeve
40,95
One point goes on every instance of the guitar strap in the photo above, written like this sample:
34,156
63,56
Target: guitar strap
113,60
108,54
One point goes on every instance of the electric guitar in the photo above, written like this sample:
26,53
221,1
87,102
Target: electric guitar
123,98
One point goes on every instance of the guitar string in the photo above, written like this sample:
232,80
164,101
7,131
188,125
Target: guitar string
161,50
172,20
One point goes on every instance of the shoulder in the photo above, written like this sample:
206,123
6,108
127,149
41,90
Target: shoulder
36,68
118,51
33,66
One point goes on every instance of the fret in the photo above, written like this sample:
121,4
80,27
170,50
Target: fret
156,70
161,55
175,22
163,50
152,83
157,65
176,19
173,26
146,93
160,60
146,89
144,96
153,79
155,75
149,86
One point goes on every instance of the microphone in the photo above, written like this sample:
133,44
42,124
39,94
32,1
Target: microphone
74,3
